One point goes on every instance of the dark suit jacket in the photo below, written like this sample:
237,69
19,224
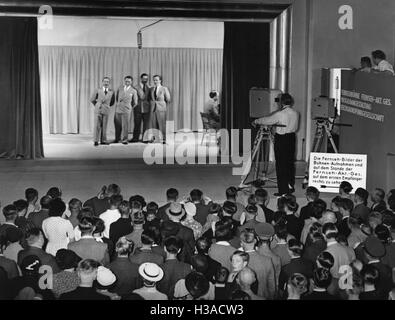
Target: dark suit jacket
161,214
89,248
379,207
142,256
361,211
306,211
294,225
98,205
202,212
127,273
343,227
45,258
385,279
173,270
120,228
37,218
213,267
10,267
143,104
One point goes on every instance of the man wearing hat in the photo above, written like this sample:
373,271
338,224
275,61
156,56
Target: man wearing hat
190,222
375,250
174,227
265,233
151,273
105,281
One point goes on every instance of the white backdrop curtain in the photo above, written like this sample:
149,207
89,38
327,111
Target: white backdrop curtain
68,76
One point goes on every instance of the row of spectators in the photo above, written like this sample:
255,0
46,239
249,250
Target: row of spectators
194,248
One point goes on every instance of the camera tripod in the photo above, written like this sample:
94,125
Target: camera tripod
258,163
323,130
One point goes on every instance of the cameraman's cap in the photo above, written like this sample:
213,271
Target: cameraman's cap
264,230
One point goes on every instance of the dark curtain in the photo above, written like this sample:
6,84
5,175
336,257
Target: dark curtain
20,121
246,62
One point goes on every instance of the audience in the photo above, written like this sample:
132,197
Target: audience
110,249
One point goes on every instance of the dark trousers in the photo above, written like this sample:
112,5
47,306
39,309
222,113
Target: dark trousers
284,151
121,122
138,118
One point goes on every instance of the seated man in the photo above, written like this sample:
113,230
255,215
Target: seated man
381,64
211,108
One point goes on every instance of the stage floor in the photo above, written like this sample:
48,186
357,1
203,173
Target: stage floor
80,146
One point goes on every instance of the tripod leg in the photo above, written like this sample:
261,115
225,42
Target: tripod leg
329,134
251,160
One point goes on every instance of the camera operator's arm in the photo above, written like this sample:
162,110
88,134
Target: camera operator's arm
268,121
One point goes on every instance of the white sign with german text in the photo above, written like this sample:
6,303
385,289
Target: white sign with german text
328,170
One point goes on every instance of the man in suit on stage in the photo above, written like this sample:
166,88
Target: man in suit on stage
159,98
126,98
103,99
142,111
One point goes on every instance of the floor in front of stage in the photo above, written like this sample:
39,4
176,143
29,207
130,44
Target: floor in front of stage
80,146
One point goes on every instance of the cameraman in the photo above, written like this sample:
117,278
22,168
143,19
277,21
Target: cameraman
284,142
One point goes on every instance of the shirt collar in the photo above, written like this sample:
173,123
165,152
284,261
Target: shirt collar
223,243
87,237
319,290
10,223
374,261
331,243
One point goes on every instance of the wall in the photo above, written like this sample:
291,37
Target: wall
77,31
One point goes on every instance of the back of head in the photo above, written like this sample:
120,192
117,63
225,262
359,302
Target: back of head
20,205
330,231
67,259
124,247
383,233
322,277
261,194
362,195
113,189
33,236
378,54
228,208
87,266
75,204
328,216
196,195
196,284
346,187
370,274
222,274
138,218
248,236
295,246
346,204
231,193
281,231
56,207
86,212
115,200
200,263
99,225
173,244
246,277
172,194
286,100
137,198
366,61
10,211
222,232
31,194
152,208
312,193
45,201
124,208
326,260
291,204
54,192
318,207
203,245
87,224
147,238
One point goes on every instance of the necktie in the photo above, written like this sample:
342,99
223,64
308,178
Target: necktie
145,89
156,92
105,91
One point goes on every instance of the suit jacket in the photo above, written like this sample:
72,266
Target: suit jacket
379,207
162,98
222,254
89,248
265,274
161,214
45,258
361,211
10,267
103,102
143,104
297,265
173,270
142,256
127,273
202,211
126,100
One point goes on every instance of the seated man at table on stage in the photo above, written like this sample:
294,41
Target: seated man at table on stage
211,108
126,98
381,64
287,120
103,99
142,111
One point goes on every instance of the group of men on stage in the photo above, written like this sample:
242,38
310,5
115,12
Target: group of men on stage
149,106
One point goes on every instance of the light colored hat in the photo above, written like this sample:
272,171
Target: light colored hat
151,271
190,209
105,277
175,209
